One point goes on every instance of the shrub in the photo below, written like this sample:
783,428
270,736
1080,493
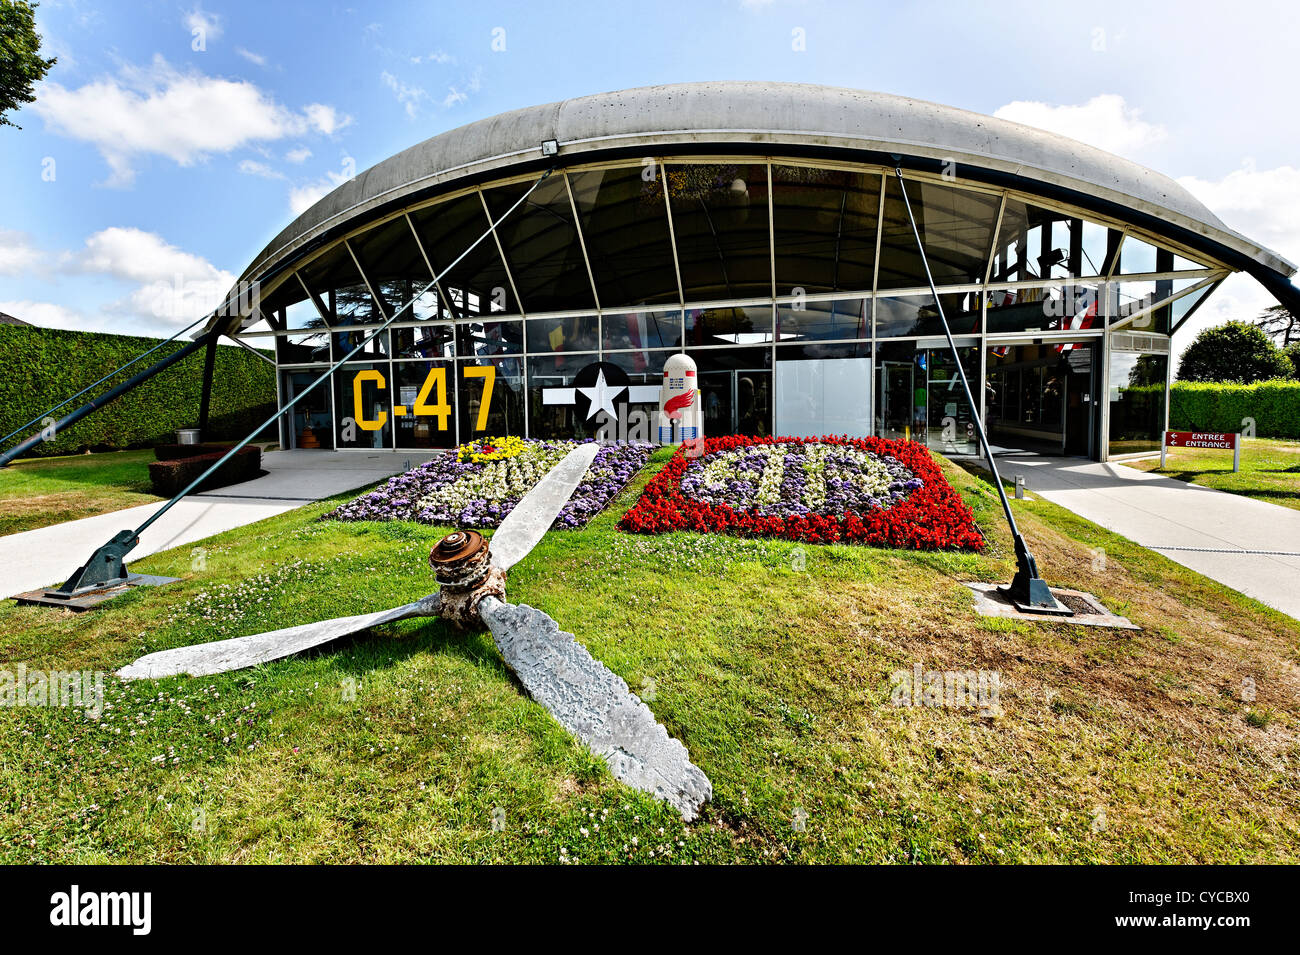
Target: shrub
1204,406
39,367
172,476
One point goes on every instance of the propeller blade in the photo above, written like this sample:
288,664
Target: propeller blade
595,705
533,516
221,656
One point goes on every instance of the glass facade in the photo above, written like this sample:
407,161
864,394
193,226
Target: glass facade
797,288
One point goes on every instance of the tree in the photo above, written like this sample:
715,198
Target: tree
1292,352
21,65
1278,322
1235,351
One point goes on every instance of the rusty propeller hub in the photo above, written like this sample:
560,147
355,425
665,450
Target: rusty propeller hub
462,562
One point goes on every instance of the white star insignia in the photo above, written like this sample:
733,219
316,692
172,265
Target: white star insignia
602,396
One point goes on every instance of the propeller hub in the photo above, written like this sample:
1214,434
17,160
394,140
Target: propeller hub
462,562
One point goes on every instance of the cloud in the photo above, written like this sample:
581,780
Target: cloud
1105,121
298,155
255,58
437,56
303,197
19,255
207,25
408,96
251,167
460,93
184,116
50,315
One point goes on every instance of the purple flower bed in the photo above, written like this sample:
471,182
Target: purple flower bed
447,492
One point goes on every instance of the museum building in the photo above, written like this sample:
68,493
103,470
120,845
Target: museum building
761,229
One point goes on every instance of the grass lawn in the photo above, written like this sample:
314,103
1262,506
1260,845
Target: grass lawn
38,492
770,661
1270,469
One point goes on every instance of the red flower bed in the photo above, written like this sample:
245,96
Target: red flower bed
931,517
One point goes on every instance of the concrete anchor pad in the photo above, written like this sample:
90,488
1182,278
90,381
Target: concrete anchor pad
595,705
1088,610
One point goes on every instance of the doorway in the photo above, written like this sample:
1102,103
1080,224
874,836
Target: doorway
737,401
1041,397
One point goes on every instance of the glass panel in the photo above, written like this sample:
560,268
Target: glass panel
916,314
642,364
335,279
491,403
721,224
1034,243
345,340
919,396
390,258
303,349
735,390
1137,401
561,334
1025,395
309,424
430,423
302,314
362,407
845,318
956,226
739,325
1044,309
427,341
547,417
1136,256
825,224
541,244
483,339
625,227
1184,306
643,329
479,284
823,390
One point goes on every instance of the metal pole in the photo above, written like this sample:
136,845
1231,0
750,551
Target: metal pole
1028,591
205,395
110,395
110,557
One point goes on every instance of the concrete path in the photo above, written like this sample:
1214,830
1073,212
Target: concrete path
1249,545
48,555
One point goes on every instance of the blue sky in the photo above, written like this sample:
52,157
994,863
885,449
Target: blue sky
159,160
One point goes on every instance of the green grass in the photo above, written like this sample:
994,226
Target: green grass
1270,469
414,743
38,492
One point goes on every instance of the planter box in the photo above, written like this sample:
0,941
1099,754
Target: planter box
170,452
171,476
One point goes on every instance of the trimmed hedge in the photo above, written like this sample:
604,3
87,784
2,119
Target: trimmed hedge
39,367
1221,406
172,476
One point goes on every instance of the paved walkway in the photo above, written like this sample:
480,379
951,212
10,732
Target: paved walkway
48,555
1249,545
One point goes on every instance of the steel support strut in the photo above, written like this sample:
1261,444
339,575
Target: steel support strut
1027,591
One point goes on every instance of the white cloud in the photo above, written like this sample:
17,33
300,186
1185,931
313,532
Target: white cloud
50,315
303,197
255,58
408,96
19,255
251,167
460,93
437,56
185,116
299,154
1105,121
206,24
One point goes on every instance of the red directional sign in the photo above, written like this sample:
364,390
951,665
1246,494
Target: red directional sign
1201,439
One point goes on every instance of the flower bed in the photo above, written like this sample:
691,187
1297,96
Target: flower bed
479,484
819,490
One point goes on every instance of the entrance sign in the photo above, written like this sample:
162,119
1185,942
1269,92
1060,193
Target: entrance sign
1218,440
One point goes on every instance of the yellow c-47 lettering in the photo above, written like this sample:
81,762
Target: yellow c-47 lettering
441,409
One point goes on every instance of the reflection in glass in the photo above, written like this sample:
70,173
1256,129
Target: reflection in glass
1035,243
956,226
478,285
491,397
721,224
484,339
645,329
425,341
917,315
309,425
548,379
919,396
431,422
1137,401
737,325
541,246
576,333
843,318
735,389
343,339
1071,307
825,228
625,227
362,406
303,349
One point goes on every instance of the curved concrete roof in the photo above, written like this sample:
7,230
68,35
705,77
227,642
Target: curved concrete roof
750,115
